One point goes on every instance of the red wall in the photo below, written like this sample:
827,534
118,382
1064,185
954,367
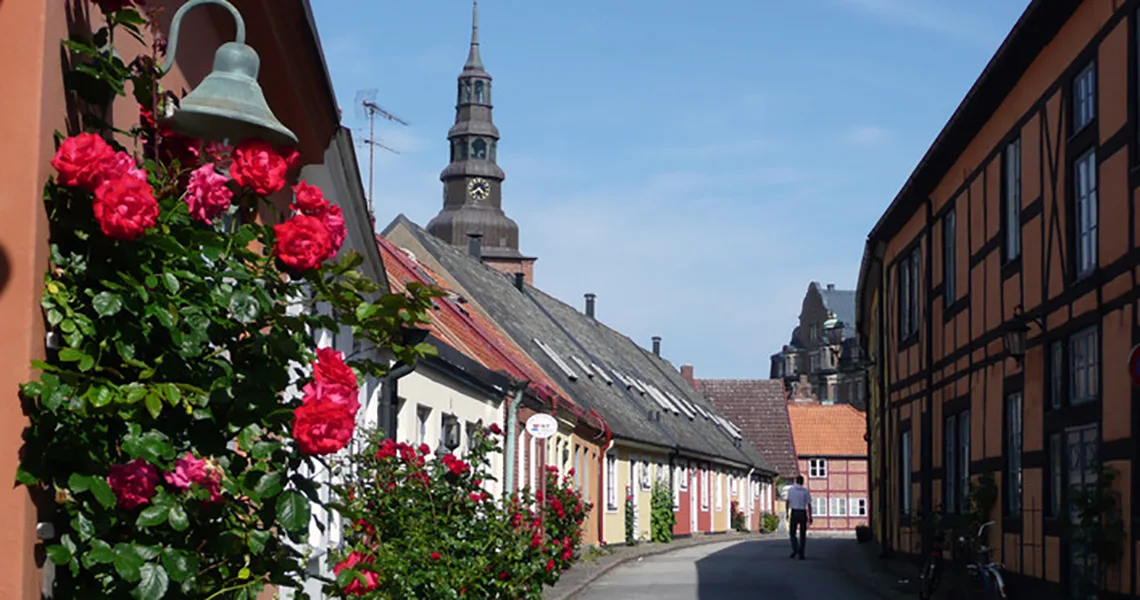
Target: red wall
704,517
682,526
847,478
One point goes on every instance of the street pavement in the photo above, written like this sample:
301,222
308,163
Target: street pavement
731,570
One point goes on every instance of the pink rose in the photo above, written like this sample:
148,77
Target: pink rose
133,483
371,578
260,167
189,470
309,200
80,161
340,395
207,194
125,208
333,219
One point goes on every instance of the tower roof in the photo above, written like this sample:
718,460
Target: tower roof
474,61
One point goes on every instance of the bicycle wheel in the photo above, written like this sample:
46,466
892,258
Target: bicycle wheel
929,575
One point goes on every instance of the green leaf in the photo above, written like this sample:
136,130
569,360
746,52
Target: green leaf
78,482
67,326
178,518
293,511
181,565
257,540
59,554
23,477
243,307
54,317
151,446
262,450
171,283
164,317
101,552
268,486
151,516
71,355
83,526
153,405
153,581
244,573
86,363
127,562
99,396
107,304
135,393
102,492
172,393
129,16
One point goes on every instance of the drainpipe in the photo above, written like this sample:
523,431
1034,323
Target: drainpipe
512,427
602,477
389,405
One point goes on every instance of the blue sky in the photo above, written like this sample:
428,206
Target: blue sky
695,164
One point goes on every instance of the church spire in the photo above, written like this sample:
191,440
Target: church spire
474,61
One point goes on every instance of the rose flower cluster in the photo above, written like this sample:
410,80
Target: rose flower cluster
136,482
326,419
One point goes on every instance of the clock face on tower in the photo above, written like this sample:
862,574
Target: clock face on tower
478,189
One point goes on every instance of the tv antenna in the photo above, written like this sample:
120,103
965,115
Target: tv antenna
366,107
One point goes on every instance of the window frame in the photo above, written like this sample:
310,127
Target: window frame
1085,223
1011,163
1090,367
950,256
838,506
817,468
909,279
906,464
611,482
1089,72
705,490
817,504
858,506
956,462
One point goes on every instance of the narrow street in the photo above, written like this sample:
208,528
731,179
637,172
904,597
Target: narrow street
754,569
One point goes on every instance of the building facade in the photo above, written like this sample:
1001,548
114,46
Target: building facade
823,348
998,300
832,456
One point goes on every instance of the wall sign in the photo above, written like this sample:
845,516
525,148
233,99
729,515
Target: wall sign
541,426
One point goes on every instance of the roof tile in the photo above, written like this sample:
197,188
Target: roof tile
828,429
759,408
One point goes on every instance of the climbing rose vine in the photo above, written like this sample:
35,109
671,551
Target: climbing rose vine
423,526
182,398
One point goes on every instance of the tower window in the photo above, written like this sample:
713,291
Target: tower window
462,149
466,92
479,92
494,150
479,148
452,159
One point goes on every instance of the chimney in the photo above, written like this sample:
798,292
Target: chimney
831,287
520,281
687,373
590,304
475,245
657,345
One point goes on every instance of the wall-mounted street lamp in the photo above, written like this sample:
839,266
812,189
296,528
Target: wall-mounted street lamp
1015,330
228,105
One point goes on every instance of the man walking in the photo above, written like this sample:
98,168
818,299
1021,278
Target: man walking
799,515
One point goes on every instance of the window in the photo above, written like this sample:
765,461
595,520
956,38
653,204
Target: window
949,257
1084,98
839,507
858,507
1085,213
479,148
585,483
818,507
1080,474
423,413
577,468
1011,199
676,489
1012,450
817,468
1056,468
1084,365
704,489
908,279
611,482
904,466
462,149
1056,374
720,491
466,92
479,92
683,476
471,435
956,463
646,477
814,360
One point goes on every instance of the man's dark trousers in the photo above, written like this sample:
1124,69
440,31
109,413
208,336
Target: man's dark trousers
799,519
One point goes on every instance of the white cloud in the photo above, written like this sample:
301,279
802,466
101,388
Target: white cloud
867,136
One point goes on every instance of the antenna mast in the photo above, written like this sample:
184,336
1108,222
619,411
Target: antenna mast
367,106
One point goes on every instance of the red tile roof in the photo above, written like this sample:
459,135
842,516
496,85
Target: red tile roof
759,408
828,430
468,332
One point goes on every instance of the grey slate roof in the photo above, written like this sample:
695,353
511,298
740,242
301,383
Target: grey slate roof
531,314
842,303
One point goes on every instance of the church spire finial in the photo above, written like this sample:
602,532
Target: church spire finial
474,61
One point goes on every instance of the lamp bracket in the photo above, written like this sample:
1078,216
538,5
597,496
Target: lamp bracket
176,24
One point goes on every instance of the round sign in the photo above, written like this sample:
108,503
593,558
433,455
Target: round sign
1134,365
541,426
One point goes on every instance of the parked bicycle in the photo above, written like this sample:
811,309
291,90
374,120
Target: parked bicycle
981,569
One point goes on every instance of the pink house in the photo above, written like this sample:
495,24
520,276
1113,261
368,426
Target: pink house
832,456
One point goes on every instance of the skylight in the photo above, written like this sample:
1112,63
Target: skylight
702,411
684,404
566,370
583,366
661,399
609,380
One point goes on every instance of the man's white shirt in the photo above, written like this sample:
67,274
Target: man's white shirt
799,498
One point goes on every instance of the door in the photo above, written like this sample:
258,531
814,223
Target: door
693,491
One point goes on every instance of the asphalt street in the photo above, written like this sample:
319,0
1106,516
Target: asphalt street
752,569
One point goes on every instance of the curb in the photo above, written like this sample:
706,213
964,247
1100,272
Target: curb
704,540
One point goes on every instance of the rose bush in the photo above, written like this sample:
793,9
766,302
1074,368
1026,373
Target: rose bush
423,526
161,422
738,519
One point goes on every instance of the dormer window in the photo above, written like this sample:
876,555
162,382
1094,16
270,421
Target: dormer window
479,149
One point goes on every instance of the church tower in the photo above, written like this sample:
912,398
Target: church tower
472,216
